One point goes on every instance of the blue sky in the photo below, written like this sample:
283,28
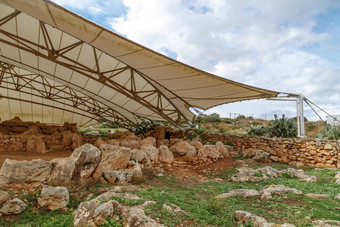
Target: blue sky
289,46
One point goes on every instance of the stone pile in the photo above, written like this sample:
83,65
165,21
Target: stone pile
96,211
298,152
260,174
246,218
265,193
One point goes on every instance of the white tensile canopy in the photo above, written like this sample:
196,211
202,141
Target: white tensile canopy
56,66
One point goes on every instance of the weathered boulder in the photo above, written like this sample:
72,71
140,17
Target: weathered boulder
140,157
152,152
113,158
246,218
16,172
118,176
245,193
173,208
149,141
208,151
197,144
265,193
182,148
53,198
300,174
261,156
30,145
67,138
135,216
4,196
165,155
78,167
92,213
222,149
77,141
40,145
135,169
133,144
13,207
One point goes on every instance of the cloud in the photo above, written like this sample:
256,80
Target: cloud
260,43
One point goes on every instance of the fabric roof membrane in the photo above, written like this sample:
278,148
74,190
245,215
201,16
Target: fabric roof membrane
77,71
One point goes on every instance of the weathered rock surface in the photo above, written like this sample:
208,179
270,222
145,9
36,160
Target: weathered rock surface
173,208
265,193
152,152
255,175
90,212
220,147
94,212
183,148
113,158
243,217
149,141
17,172
208,152
140,157
13,207
78,167
317,196
300,174
4,196
40,145
53,198
118,176
165,155
337,178
197,144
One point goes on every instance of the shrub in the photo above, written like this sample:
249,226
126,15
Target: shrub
145,126
283,127
258,130
329,132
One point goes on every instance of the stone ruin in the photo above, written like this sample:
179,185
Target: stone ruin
17,135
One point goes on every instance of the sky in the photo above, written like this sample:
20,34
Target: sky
288,46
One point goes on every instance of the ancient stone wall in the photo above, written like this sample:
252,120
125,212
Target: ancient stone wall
17,135
312,152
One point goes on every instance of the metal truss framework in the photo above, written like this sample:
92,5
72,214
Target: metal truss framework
151,98
39,86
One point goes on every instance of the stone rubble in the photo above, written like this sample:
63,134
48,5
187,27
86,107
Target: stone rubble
95,211
260,174
243,217
53,198
173,208
265,193
337,178
13,207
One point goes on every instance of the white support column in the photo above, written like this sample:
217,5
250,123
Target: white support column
302,117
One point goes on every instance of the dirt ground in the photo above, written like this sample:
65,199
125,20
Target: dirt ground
33,155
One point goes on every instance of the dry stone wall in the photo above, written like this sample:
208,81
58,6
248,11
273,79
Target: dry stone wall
311,152
17,135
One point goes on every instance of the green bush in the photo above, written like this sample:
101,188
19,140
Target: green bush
258,130
145,126
283,127
329,132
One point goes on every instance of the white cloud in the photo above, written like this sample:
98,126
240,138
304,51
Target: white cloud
259,43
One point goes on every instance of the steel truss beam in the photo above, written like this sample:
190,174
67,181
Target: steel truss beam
48,51
26,83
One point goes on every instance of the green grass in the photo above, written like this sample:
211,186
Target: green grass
200,206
